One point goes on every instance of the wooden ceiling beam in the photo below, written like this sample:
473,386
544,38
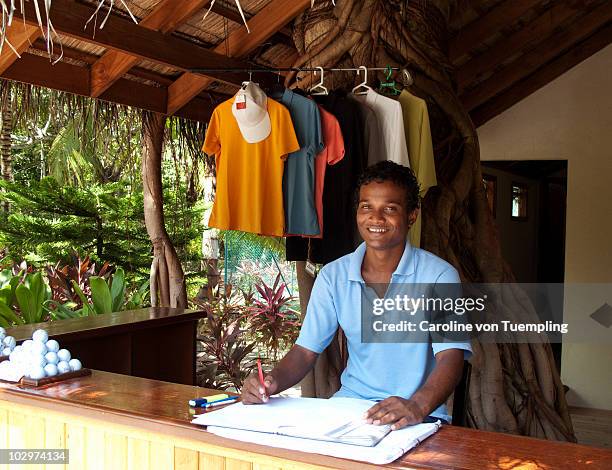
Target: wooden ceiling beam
165,17
479,30
462,13
39,71
168,15
283,33
20,36
264,24
123,35
536,31
542,76
538,56
90,59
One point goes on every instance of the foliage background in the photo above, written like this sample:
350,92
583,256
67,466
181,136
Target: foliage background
72,212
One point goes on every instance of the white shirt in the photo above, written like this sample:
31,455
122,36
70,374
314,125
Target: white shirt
391,123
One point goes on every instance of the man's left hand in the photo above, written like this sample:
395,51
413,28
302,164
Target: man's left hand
397,411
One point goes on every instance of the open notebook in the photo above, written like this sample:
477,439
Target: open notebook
331,427
354,432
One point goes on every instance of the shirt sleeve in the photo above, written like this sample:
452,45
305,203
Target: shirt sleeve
285,139
448,277
335,146
317,131
212,143
321,322
401,147
427,166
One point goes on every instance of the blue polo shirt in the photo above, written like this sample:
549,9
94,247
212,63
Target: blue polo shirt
299,174
374,371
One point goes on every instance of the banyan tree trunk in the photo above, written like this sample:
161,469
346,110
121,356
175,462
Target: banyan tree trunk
514,388
167,278
6,165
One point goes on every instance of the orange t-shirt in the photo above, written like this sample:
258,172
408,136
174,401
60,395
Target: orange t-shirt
249,193
330,155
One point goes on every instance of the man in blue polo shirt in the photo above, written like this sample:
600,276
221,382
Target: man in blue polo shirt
410,380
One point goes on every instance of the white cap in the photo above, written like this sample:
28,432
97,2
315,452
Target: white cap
250,108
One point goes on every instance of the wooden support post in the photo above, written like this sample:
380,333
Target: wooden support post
167,278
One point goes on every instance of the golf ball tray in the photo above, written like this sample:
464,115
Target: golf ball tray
27,381
37,361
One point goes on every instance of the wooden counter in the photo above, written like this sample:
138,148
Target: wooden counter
155,343
119,422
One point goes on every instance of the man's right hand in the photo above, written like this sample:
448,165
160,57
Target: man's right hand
254,393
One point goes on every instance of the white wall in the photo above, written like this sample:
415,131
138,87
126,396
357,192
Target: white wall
571,119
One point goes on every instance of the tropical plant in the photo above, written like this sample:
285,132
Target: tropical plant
225,355
22,298
105,296
270,317
61,279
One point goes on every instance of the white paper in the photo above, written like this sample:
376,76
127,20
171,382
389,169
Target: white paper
270,423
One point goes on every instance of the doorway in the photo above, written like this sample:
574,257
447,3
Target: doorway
528,201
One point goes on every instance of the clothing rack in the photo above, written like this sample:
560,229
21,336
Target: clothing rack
289,69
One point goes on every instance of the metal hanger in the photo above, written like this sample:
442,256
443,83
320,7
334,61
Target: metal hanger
245,84
319,89
278,88
363,84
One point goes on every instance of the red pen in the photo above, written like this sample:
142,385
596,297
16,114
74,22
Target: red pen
261,376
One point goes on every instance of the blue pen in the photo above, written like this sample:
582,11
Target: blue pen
200,402
225,401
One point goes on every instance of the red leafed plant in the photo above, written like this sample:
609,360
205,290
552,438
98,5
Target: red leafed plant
271,319
62,280
225,355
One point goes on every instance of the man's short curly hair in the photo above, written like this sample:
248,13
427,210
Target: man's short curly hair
400,175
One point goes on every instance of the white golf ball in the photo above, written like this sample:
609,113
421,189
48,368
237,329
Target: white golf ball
36,372
75,364
2,331
9,342
39,348
52,345
36,361
50,370
41,336
51,358
64,355
18,348
63,367
6,351
15,356
27,345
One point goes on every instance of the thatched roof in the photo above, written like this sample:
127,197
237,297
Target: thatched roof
501,49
